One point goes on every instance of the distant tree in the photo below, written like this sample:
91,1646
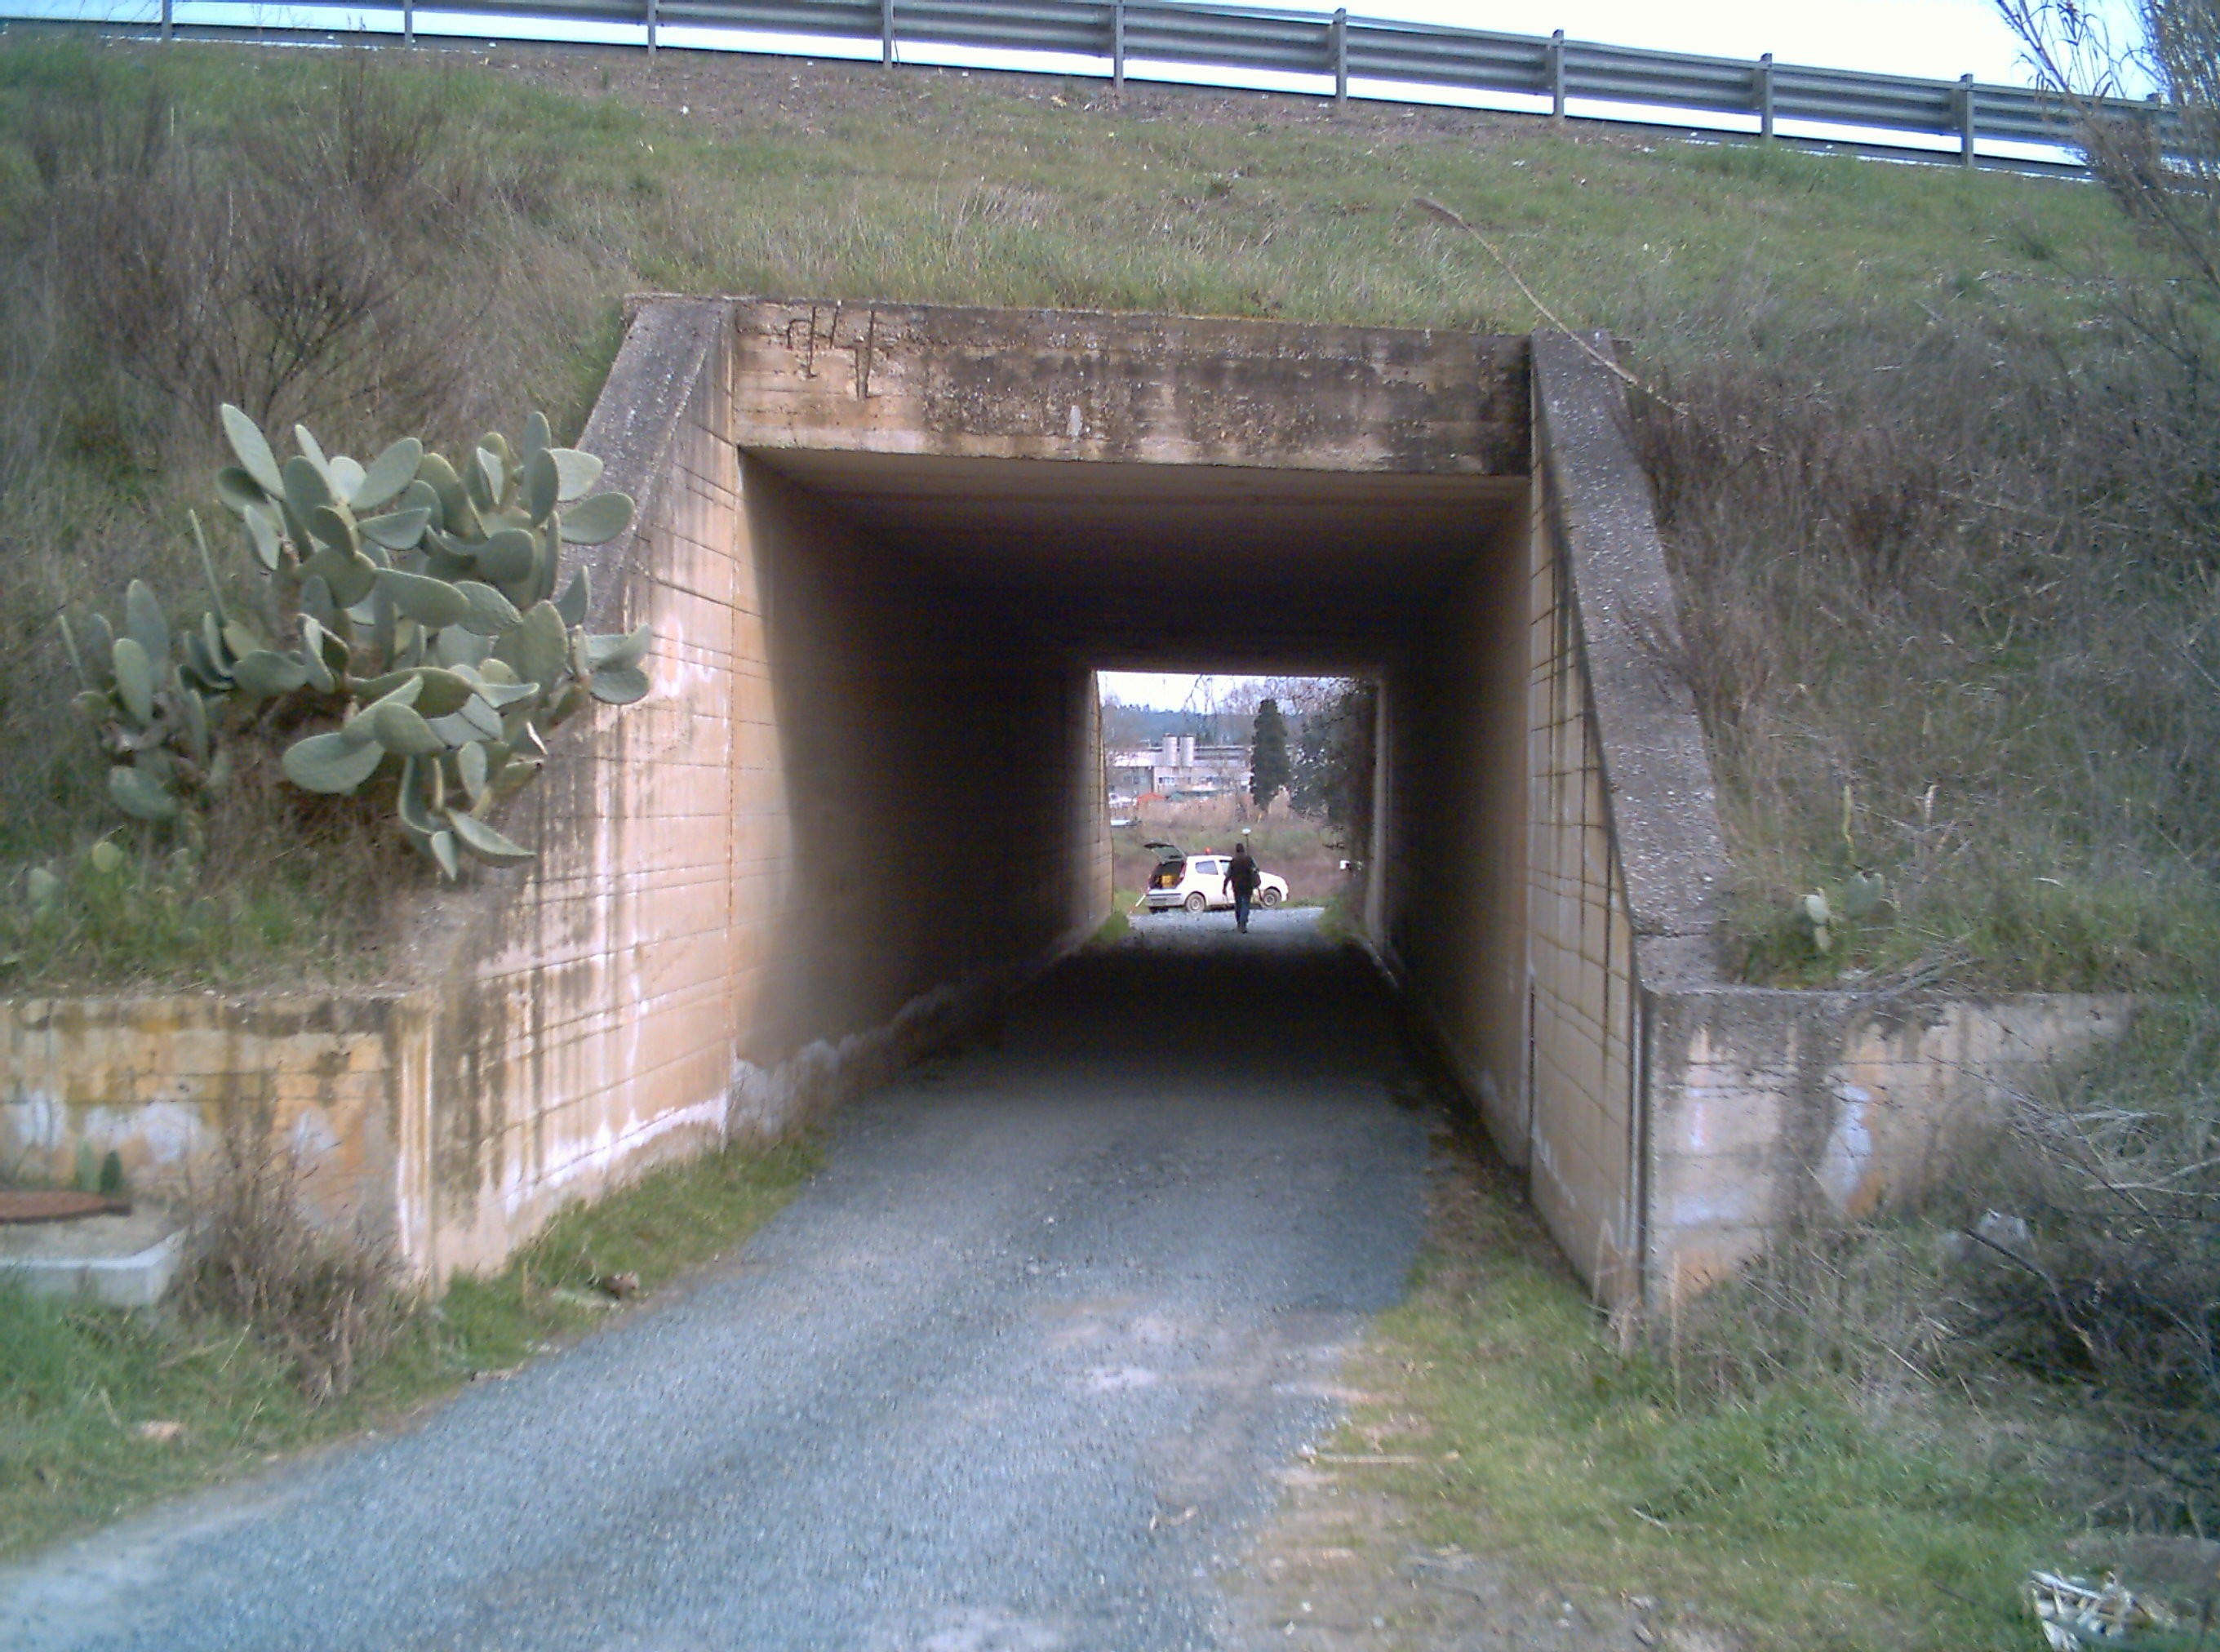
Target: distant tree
1269,768
1332,769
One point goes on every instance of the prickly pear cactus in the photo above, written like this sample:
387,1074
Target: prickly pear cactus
1817,919
409,616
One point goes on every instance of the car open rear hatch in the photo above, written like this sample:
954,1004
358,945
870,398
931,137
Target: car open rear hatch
1171,865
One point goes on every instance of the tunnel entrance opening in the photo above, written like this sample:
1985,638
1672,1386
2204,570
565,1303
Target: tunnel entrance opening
947,521
885,550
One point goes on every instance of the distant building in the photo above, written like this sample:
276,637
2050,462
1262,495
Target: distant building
1178,768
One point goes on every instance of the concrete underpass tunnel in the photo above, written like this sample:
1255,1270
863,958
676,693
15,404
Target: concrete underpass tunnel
886,549
932,630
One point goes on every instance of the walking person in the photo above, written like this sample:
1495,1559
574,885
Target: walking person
1242,878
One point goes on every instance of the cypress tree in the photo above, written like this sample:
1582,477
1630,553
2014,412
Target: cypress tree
1268,768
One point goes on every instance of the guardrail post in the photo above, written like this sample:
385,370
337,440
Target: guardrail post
168,20
1765,95
1341,55
1557,76
651,22
886,34
1965,120
1118,47
408,23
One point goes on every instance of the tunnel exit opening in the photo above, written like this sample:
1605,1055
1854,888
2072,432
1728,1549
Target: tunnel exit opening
1196,763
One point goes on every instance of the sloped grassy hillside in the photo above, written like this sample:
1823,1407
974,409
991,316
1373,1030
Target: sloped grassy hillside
1944,623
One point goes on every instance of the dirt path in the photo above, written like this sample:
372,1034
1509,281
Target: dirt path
1343,1565
1019,1370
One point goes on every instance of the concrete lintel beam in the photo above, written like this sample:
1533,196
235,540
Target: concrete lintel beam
1056,385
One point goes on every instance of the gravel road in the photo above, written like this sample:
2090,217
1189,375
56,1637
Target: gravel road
1015,1371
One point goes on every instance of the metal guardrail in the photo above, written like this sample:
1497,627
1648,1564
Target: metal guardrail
1335,48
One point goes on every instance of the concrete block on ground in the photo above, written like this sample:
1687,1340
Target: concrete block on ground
117,1261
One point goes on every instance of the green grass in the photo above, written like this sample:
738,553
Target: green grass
1797,1518
152,914
925,185
1116,926
1341,922
76,1383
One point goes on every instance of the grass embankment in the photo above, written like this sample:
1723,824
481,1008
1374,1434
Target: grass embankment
1832,1508
486,211
102,1411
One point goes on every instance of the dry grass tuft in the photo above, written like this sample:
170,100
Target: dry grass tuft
330,1303
1947,619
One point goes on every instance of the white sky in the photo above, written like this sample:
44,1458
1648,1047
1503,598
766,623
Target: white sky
1940,38
1169,690
1166,690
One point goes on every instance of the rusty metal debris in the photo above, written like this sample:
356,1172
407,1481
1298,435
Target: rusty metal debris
57,1204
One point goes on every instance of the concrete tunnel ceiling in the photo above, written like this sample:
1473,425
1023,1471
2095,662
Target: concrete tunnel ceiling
1234,568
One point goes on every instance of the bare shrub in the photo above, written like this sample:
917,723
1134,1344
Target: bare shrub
306,267
2162,166
331,1303
2105,1277
1948,621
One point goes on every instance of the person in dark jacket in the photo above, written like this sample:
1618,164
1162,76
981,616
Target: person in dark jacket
1242,878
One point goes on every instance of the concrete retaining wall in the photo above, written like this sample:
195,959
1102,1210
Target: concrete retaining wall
344,1082
1770,1107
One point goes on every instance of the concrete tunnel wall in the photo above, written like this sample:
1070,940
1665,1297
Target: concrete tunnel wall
923,860
757,889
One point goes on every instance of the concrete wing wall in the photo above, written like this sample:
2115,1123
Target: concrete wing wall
1626,859
342,1081
1678,1122
586,1028
1776,1109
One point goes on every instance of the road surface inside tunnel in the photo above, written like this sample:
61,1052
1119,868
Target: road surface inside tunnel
1016,1370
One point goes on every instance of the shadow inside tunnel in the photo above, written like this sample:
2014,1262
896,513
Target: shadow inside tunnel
1189,998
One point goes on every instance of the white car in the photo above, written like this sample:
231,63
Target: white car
1197,883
